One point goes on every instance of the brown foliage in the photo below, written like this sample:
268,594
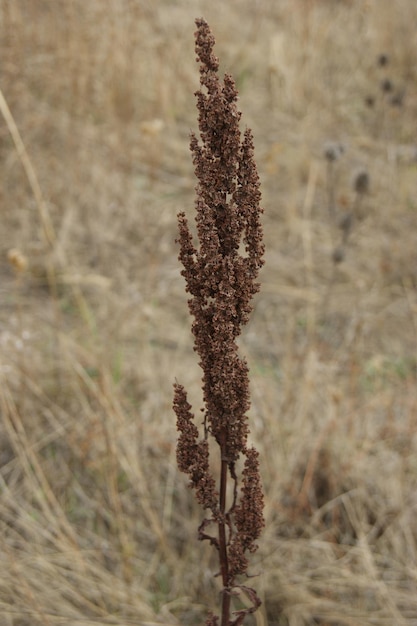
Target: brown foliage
220,276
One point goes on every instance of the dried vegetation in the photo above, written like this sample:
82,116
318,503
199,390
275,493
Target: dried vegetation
96,523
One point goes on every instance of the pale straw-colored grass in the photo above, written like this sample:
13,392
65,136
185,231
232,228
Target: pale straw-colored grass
96,524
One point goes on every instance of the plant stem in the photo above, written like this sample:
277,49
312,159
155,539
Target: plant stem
224,563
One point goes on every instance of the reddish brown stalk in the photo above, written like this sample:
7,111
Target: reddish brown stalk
220,276
223,557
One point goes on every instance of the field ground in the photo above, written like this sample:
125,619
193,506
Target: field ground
97,526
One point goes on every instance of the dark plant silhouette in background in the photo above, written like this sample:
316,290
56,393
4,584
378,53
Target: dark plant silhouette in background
220,276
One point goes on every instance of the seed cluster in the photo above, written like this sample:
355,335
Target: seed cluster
221,278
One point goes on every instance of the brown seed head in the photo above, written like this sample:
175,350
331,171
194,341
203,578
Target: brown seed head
361,181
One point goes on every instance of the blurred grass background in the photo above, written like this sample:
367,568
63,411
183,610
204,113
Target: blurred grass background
96,524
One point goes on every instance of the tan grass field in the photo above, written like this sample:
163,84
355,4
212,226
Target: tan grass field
97,525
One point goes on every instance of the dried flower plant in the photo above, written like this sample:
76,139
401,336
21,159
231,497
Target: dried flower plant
221,277
332,152
388,97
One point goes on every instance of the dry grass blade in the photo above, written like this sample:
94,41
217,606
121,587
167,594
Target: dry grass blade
46,222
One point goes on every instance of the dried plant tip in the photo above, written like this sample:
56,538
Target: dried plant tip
370,101
383,59
361,181
345,224
338,255
333,151
387,85
204,47
193,455
248,515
